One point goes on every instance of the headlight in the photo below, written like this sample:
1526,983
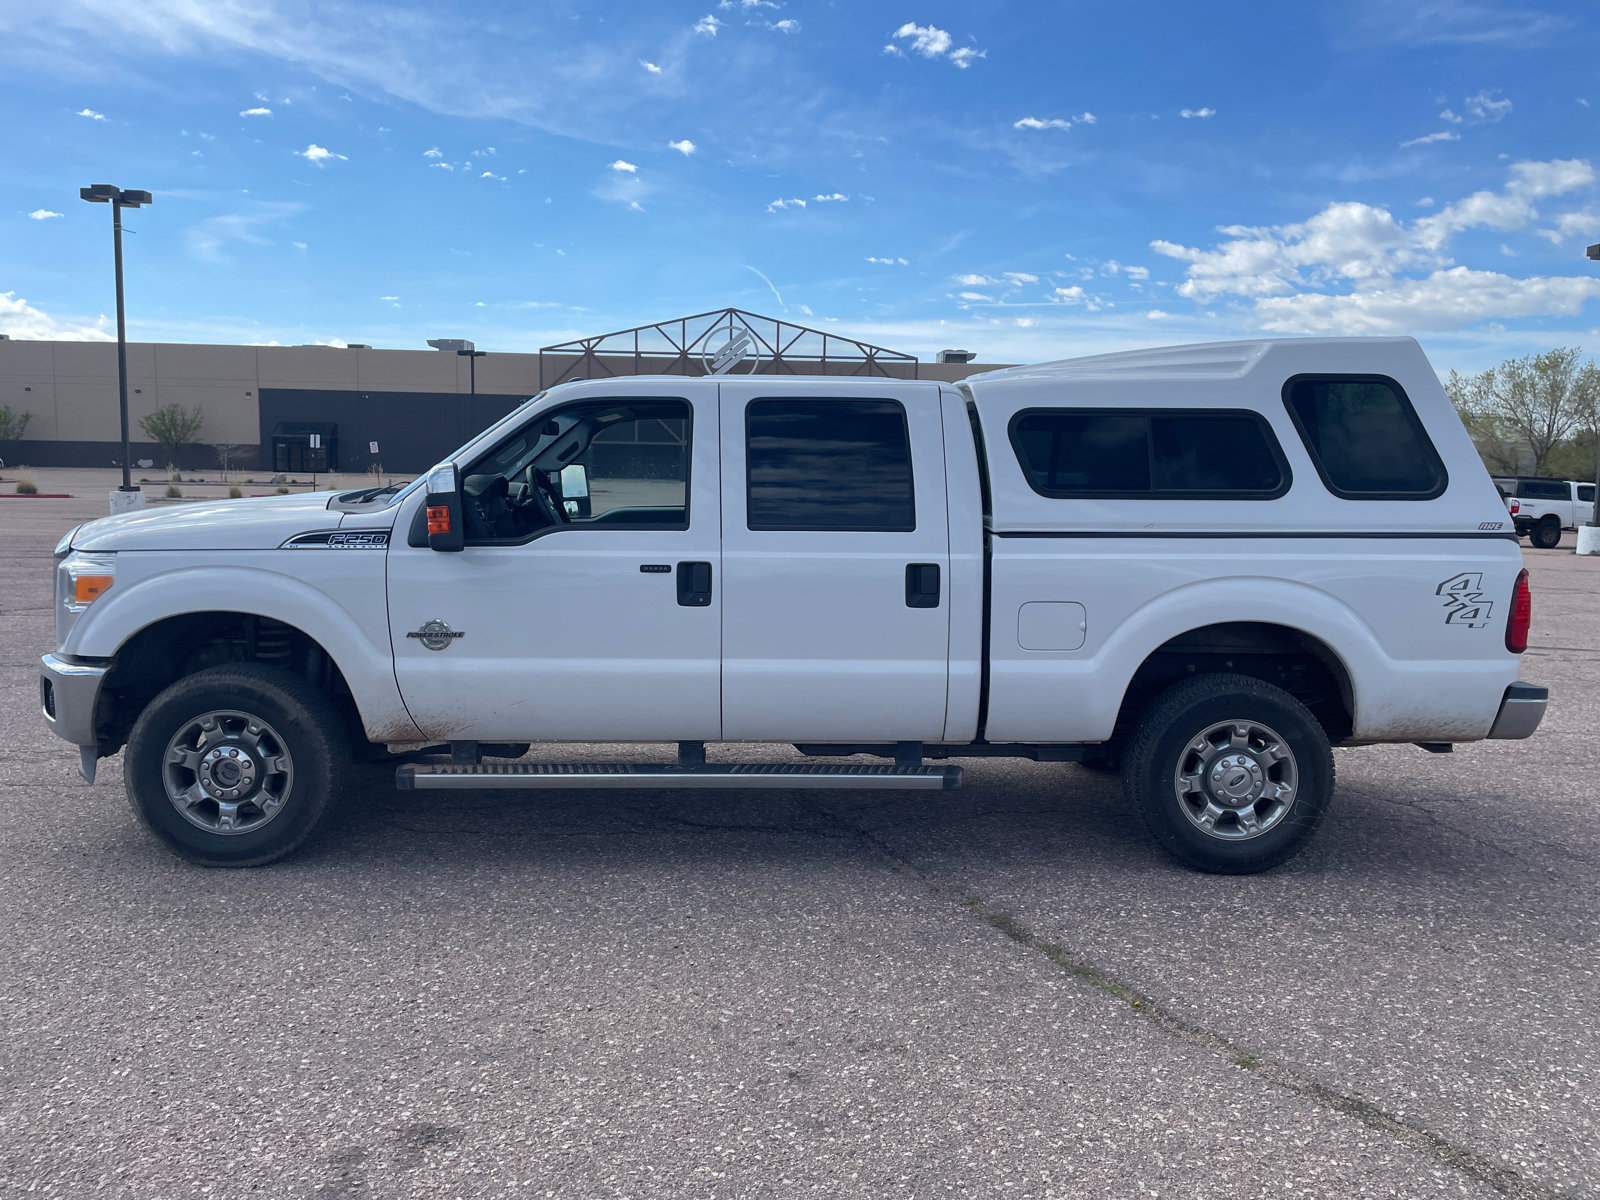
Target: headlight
81,579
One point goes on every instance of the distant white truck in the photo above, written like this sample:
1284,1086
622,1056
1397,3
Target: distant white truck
1547,506
1203,565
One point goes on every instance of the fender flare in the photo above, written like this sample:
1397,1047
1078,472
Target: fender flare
367,668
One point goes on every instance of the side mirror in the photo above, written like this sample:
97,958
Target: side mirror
446,529
574,482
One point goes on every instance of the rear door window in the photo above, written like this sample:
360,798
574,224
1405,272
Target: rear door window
829,465
1544,489
1364,437
1149,454
1586,493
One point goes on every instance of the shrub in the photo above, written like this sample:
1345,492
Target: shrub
172,428
174,492
283,491
26,486
234,493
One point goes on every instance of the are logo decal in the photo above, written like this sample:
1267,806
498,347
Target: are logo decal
1464,601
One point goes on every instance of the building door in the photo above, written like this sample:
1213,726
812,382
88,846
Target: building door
836,561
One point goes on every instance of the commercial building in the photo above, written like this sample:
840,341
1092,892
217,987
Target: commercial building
297,409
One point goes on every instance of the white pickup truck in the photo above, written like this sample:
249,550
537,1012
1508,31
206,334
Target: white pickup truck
1547,506
1204,565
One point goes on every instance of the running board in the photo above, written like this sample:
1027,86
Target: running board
420,777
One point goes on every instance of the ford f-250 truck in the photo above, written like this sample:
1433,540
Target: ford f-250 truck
1203,565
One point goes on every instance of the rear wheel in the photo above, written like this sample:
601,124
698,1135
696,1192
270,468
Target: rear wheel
1546,535
236,766
1230,775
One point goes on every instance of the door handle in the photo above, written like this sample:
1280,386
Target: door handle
922,585
694,584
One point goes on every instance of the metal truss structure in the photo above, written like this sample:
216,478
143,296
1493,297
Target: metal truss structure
727,341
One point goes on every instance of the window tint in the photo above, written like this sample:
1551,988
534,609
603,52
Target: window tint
829,464
1544,489
1149,454
1364,438
1586,493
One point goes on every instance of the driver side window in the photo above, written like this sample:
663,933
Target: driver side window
617,463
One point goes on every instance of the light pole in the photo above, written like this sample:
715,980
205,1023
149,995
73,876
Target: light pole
1594,513
103,193
463,349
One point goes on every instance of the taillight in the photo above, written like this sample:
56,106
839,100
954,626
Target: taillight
1521,614
438,518
1515,508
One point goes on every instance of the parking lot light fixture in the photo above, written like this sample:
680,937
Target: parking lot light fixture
119,199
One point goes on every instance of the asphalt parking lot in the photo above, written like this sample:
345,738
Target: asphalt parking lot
1000,991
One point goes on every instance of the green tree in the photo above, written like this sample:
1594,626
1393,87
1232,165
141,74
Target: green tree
1526,408
12,424
172,428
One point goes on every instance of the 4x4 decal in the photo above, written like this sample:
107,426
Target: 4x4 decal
1464,601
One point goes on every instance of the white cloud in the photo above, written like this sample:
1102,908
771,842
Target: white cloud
973,296
685,147
786,25
1037,123
779,205
1583,102
93,116
43,214
256,112
492,175
1584,224
889,262
208,238
975,280
1018,278
388,297
1200,113
708,25
620,165
1155,314
318,154
832,196
1086,118
1288,271
442,166
747,5
1444,300
434,153
1444,135
1069,295
650,66
22,321
1485,107
1447,115
1425,202
932,42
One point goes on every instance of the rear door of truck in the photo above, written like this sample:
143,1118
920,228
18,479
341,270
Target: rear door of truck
836,560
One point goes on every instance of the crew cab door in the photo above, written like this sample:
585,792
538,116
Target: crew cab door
600,621
836,561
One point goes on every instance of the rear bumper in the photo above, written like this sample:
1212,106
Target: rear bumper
68,692
1521,710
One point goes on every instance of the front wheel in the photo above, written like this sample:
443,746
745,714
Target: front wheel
1230,775
236,766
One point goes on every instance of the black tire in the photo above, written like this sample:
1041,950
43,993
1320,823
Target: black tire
297,764
1162,752
1546,535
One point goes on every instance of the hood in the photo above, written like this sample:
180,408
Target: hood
259,523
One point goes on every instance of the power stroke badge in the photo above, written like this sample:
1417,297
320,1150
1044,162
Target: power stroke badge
436,635
1464,601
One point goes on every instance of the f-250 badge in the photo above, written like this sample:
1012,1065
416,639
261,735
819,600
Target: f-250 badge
1464,601
436,635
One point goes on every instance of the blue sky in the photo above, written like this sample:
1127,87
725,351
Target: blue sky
1026,180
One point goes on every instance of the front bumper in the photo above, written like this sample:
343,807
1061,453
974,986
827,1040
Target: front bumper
68,693
1521,710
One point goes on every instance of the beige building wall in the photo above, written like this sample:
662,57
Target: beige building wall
71,387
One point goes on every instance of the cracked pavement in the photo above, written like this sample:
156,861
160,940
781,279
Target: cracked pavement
1003,990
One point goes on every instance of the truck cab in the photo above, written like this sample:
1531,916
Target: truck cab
1200,566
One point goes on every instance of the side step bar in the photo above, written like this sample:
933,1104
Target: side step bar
419,777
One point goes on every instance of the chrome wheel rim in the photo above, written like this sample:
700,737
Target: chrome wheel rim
1236,780
227,772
